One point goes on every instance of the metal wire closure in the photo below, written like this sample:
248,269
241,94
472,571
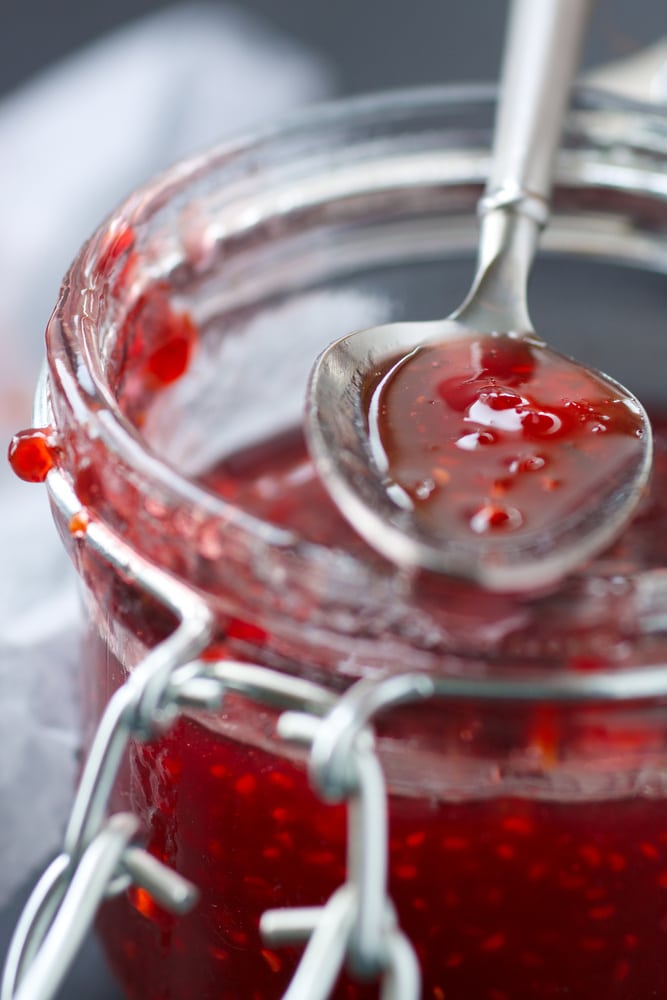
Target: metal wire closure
100,859
357,926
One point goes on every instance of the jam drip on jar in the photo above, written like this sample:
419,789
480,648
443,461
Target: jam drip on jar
158,343
32,453
496,435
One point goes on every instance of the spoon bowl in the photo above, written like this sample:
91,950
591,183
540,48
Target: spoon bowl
467,446
561,523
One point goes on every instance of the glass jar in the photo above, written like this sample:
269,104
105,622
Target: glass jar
528,792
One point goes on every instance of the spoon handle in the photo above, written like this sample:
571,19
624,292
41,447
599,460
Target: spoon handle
541,56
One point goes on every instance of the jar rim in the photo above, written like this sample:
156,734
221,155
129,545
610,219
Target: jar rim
75,374
124,437
83,385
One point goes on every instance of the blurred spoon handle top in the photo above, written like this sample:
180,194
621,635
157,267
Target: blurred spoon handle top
541,55
641,76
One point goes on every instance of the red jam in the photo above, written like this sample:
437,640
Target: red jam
497,435
32,454
506,897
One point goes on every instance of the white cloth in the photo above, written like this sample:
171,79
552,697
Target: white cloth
75,141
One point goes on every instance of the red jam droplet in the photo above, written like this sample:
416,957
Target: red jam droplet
78,524
32,454
476,420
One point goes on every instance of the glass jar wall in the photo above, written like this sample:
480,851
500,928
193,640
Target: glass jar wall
528,838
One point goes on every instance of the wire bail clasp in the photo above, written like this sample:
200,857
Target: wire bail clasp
357,927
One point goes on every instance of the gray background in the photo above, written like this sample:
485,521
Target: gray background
370,46
383,44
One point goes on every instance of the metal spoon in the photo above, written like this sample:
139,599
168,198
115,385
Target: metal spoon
343,419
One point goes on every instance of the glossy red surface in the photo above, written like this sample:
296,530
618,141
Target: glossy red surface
32,454
506,899
498,434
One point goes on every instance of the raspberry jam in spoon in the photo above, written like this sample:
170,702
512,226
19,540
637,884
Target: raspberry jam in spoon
467,446
499,438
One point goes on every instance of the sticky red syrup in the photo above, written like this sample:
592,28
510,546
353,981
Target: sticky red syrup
497,435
